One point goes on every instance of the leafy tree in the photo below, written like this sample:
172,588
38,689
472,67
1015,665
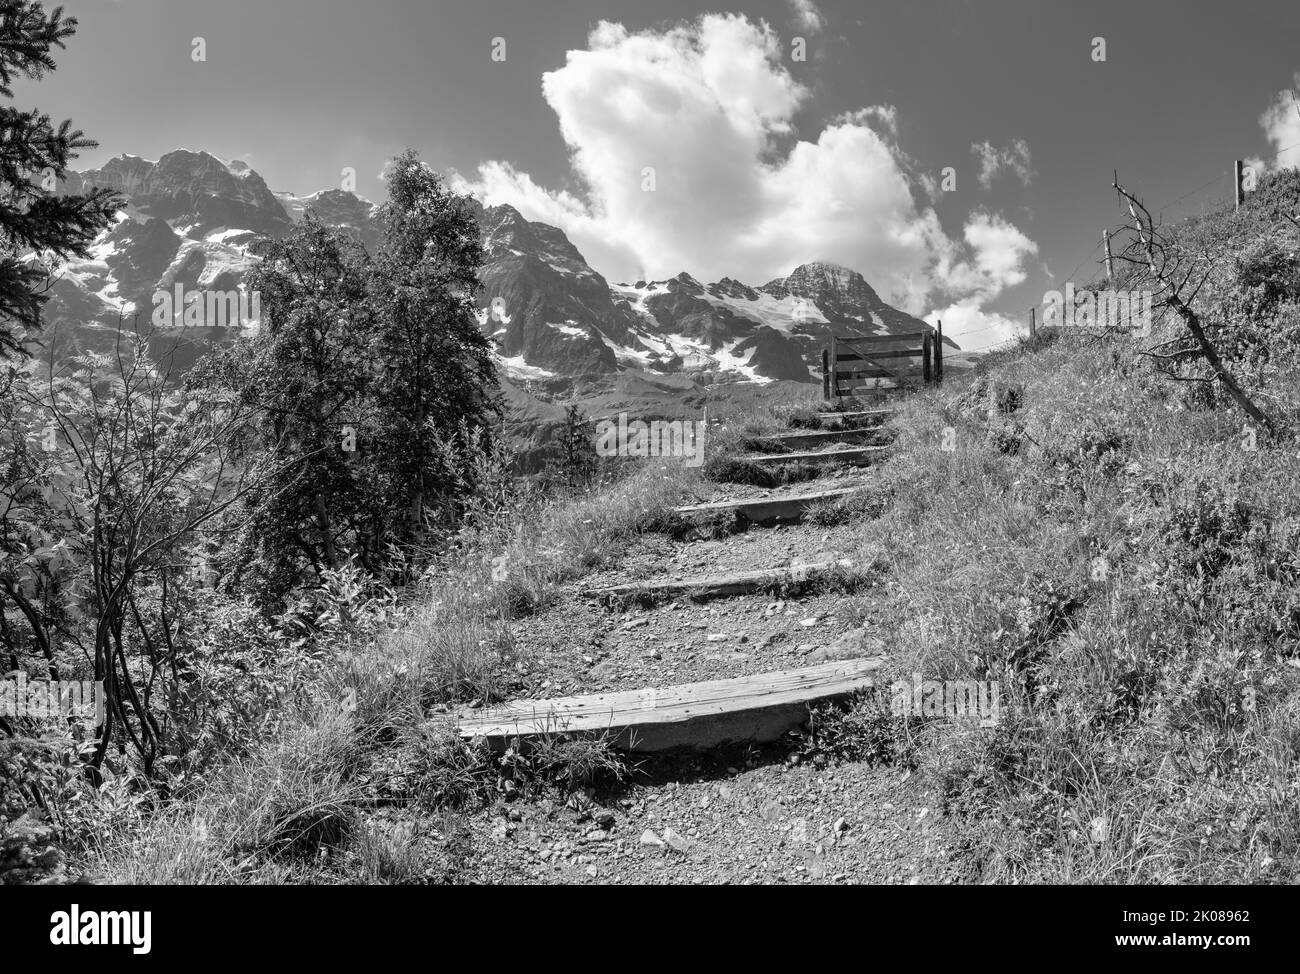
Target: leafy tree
435,371
36,224
309,373
365,368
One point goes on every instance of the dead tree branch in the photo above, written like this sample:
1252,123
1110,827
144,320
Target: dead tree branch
1154,251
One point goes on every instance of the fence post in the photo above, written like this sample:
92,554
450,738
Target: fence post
835,365
826,375
938,354
1033,322
1237,174
925,359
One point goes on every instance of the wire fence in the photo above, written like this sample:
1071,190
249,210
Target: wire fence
1207,207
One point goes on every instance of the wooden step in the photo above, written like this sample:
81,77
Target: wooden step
883,382
876,414
761,707
719,586
859,456
816,438
767,510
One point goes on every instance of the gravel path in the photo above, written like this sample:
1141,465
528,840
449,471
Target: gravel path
584,647
730,817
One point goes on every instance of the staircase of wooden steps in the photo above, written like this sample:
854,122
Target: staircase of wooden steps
756,707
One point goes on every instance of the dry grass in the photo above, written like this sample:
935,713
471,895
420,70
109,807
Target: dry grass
1127,574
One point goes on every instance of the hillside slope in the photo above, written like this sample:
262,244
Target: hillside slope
1112,548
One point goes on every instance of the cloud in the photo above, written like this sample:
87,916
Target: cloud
1281,123
975,329
685,157
807,16
1014,158
994,260
886,116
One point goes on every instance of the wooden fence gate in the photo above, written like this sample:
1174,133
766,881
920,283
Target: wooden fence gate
859,367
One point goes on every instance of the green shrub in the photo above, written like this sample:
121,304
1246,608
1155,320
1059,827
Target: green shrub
860,728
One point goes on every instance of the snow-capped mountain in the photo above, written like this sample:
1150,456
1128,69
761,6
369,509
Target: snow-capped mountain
189,220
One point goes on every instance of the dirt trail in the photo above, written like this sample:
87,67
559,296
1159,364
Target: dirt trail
741,814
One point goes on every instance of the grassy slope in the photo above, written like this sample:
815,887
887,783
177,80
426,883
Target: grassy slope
1154,731
1111,552
1124,558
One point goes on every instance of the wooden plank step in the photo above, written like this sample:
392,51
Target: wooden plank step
817,437
858,456
767,510
760,707
861,414
720,586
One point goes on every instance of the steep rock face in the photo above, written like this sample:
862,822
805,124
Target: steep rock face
138,255
338,208
193,191
772,355
733,289
683,309
541,301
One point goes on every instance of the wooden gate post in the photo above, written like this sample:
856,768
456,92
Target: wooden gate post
925,358
826,375
835,368
938,354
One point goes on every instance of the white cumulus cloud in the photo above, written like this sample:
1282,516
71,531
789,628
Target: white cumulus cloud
685,157
993,260
973,328
1281,123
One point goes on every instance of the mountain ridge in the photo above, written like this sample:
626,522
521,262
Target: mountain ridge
189,219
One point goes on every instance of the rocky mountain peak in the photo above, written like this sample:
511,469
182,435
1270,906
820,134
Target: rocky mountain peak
820,280
195,191
731,288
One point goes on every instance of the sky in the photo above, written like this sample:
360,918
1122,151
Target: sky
958,154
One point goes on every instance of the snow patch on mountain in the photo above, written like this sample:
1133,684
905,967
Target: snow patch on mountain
517,368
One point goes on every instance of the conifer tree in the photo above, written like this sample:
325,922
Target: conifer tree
438,374
36,224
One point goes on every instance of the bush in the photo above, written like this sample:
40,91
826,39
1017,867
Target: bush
861,728
567,760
